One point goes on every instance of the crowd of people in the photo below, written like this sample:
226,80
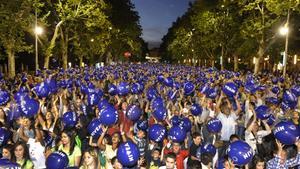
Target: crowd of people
153,116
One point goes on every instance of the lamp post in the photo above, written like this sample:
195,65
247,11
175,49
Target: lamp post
285,31
37,31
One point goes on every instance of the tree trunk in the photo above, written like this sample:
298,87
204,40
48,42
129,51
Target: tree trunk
65,41
80,61
260,54
212,63
108,58
65,56
236,63
48,53
222,58
11,63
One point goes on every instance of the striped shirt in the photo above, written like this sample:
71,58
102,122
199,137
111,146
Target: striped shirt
274,163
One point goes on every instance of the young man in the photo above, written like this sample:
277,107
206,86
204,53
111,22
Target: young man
193,160
170,161
280,160
180,154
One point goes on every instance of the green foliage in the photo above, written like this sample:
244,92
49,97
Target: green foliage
15,21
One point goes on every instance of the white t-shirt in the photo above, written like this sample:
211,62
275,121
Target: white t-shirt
228,125
251,140
36,152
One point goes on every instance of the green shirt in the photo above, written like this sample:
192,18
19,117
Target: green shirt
28,165
72,157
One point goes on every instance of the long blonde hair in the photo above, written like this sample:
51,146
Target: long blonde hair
94,154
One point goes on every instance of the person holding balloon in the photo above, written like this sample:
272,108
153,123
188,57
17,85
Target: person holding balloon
254,135
181,154
110,150
35,146
280,160
69,146
48,121
228,117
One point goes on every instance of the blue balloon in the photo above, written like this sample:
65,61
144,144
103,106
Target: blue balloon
175,120
188,88
48,139
240,152
57,160
168,82
274,80
7,164
142,125
123,88
204,88
84,89
29,107
133,112
136,88
177,134
18,96
112,89
93,98
24,89
177,85
4,97
275,90
103,103
128,154
42,90
296,90
271,119
272,100
157,132
69,119
152,93
52,84
262,112
157,103
4,136
160,78
289,97
212,93
94,128
108,115
186,124
196,109
160,113
206,148
286,132
214,125
14,112
230,89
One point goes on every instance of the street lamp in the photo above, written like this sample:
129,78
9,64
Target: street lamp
37,31
285,31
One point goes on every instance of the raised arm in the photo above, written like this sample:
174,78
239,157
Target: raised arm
99,143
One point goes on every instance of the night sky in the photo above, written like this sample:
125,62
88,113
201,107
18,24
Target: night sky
157,16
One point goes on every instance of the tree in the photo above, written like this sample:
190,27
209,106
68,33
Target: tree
126,29
259,17
15,21
73,16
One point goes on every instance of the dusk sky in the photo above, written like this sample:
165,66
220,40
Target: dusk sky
157,16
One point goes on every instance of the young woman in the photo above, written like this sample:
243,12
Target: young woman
69,147
21,156
7,151
110,150
90,159
49,120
